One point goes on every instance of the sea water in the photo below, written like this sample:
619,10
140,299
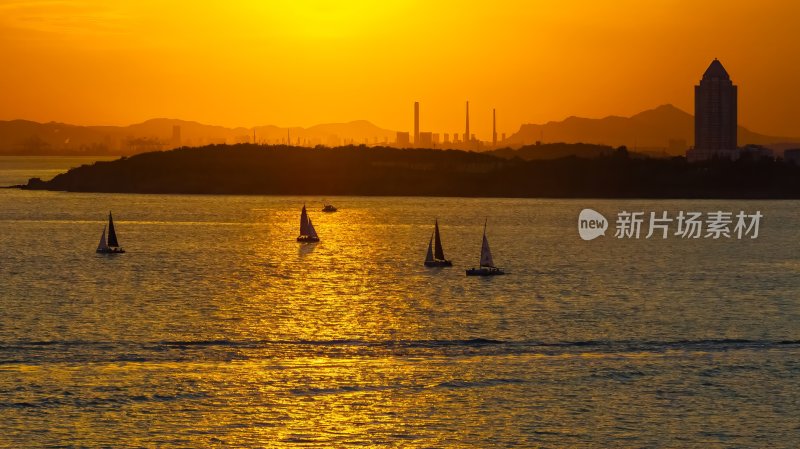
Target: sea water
217,329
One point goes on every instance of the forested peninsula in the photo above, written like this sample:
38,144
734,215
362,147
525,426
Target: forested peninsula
353,170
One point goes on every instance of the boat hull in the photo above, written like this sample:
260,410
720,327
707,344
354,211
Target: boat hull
438,263
485,271
111,251
307,239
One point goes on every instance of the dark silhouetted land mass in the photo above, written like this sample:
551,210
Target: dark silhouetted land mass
281,170
554,151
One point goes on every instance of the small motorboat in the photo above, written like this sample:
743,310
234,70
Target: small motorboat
485,271
110,245
329,208
486,266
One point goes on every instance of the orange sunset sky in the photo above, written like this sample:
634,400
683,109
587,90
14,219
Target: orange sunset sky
299,63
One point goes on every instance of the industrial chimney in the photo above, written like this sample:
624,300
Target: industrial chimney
416,123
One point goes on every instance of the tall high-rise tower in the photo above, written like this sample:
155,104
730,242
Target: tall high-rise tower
715,114
466,134
416,123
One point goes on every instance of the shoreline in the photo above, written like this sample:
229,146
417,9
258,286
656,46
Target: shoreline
325,195
387,172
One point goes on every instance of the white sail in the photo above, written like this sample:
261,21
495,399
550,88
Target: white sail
103,246
486,253
429,256
311,231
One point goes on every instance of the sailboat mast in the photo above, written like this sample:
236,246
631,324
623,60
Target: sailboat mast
483,246
303,221
112,233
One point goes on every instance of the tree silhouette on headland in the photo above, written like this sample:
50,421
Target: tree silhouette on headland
351,170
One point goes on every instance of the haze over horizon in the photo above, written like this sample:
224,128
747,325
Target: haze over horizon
290,64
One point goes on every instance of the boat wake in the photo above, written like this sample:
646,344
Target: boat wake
36,352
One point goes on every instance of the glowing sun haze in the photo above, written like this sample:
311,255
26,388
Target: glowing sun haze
299,63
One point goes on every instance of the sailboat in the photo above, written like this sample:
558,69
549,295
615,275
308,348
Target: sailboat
307,232
435,256
486,267
111,245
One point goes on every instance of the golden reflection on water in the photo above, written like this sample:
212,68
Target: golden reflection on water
339,288
228,333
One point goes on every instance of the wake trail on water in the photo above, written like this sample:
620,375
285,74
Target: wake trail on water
79,351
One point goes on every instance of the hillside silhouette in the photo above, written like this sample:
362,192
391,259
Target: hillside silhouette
282,170
661,132
27,138
650,130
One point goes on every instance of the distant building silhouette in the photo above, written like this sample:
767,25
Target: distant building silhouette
715,115
756,152
425,140
416,123
403,139
792,155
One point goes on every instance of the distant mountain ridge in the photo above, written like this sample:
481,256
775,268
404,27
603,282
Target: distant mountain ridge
665,128
24,137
